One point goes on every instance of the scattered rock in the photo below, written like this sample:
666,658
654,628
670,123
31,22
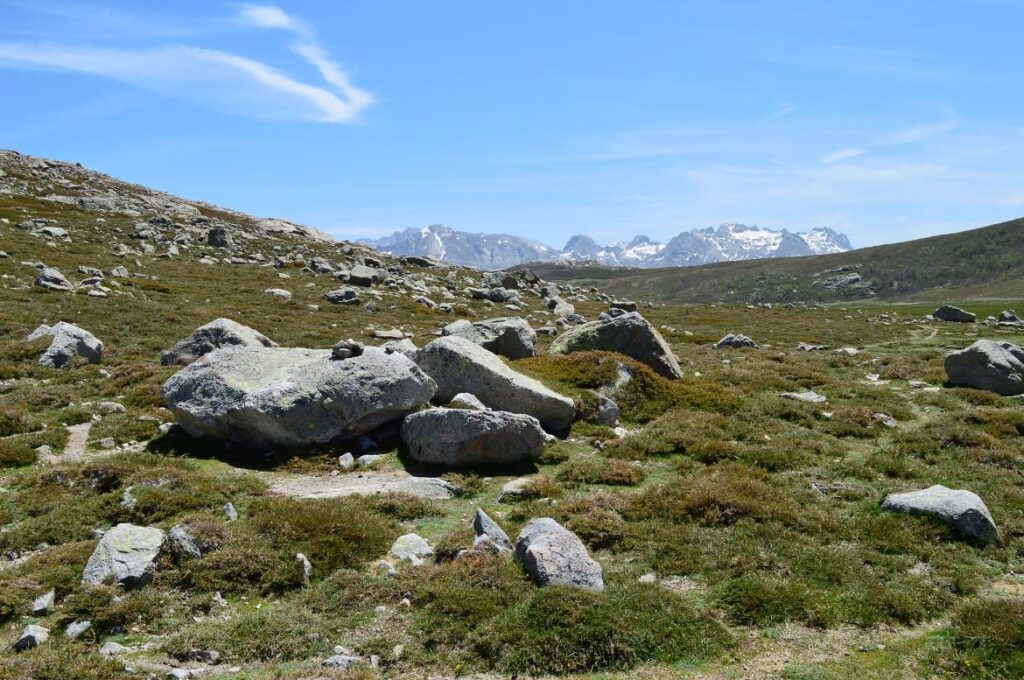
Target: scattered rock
43,604
343,296
31,637
488,532
290,397
279,293
346,461
69,341
183,543
411,547
75,629
810,396
112,648
629,334
466,400
457,437
346,349
553,555
955,314
809,347
125,556
734,340
214,335
510,337
458,365
988,365
52,279
1009,316
958,507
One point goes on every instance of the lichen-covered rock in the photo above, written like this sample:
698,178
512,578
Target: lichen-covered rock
411,547
214,335
988,365
271,397
456,437
554,556
124,556
629,334
958,507
458,365
510,337
69,341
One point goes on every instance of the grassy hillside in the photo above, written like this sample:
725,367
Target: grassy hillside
739,532
975,264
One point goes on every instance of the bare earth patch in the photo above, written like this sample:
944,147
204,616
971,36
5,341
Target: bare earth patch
365,483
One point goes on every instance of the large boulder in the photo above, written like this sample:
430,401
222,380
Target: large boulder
69,341
290,397
124,556
629,334
458,365
214,335
510,337
554,556
988,365
958,507
456,436
951,313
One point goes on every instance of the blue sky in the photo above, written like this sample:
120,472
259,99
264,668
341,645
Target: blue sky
888,121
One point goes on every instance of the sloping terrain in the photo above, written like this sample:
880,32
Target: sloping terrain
976,264
739,532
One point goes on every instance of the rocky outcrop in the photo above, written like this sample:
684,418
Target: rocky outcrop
124,556
510,337
733,340
988,365
214,335
289,397
458,365
957,507
460,437
629,334
554,556
52,279
69,341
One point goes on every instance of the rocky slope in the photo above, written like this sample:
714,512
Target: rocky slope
727,242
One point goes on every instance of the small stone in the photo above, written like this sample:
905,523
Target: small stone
230,512
346,349
43,604
112,649
31,637
307,567
76,628
346,461
411,547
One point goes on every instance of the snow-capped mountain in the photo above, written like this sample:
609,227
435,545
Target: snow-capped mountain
700,246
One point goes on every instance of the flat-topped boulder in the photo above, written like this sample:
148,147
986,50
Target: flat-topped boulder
458,365
460,437
510,337
554,556
957,507
988,365
214,335
69,341
629,334
287,397
955,314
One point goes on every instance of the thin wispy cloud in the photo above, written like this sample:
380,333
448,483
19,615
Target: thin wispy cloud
220,79
919,133
842,154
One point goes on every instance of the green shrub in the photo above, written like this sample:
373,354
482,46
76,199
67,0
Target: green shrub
568,630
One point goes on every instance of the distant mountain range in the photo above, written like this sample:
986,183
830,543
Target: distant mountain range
727,242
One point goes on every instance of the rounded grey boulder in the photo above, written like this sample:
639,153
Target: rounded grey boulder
958,507
458,365
270,397
214,335
124,556
69,341
554,556
455,436
988,365
629,334
510,337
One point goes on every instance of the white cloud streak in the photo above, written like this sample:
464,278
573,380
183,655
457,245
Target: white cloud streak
842,154
222,80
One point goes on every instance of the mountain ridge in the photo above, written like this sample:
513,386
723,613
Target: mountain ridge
727,242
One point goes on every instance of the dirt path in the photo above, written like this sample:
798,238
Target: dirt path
365,482
78,438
